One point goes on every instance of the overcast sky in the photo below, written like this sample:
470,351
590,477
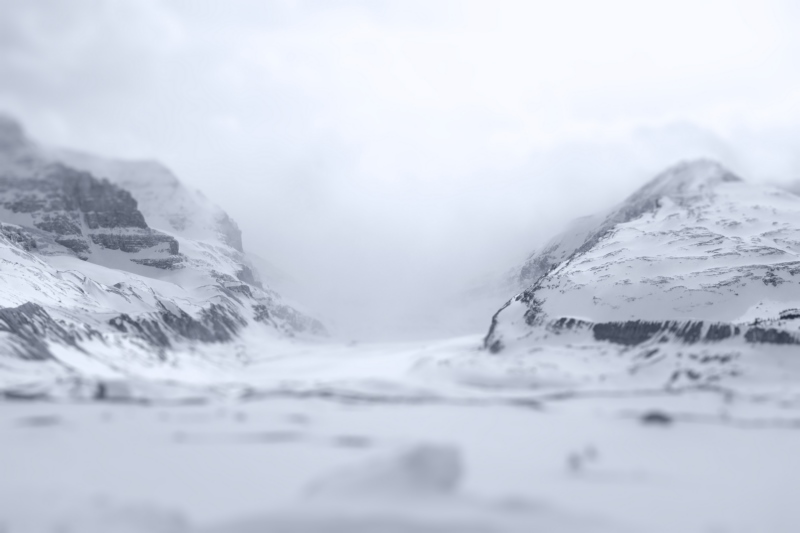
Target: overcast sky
387,154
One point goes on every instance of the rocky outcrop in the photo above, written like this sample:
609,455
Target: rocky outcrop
146,328
246,274
30,328
216,323
291,320
80,211
18,236
757,334
167,263
230,232
634,333
133,243
66,192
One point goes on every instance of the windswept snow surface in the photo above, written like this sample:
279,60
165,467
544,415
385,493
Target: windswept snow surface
436,437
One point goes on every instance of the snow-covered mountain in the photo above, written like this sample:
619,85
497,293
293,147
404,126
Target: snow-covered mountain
119,258
695,258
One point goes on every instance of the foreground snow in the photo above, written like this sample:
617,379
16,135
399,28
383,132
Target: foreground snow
433,438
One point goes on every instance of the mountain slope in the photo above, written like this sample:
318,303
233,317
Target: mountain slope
84,270
696,257
164,201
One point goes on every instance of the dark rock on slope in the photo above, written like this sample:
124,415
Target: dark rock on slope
77,210
139,291
30,328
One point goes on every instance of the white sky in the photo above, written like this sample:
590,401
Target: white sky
388,154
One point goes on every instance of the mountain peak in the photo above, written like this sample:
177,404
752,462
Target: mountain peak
681,183
720,255
687,178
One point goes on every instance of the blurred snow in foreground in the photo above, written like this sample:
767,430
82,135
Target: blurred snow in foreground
334,445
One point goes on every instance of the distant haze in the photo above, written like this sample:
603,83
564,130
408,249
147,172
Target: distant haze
389,156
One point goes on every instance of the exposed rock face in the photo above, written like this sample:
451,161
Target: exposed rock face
30,327
246,274
166,203
696,256
146,328
135,243
18,236
288,315
199,291
216,323
639,332
79,210
231,234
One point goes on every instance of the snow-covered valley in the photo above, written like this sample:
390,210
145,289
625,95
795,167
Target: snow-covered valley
358,440
642,376
408,438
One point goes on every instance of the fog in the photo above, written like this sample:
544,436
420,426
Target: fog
390,156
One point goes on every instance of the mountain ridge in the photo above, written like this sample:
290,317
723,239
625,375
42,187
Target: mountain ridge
695,246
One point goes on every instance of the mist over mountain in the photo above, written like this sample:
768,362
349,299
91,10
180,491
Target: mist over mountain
118,257
681,296
399,266
692,276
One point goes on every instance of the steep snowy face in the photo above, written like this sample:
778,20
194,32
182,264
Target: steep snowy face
695,248
208,238
82,268
166,203
681,183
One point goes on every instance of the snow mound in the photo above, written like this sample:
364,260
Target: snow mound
413,491
422,471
